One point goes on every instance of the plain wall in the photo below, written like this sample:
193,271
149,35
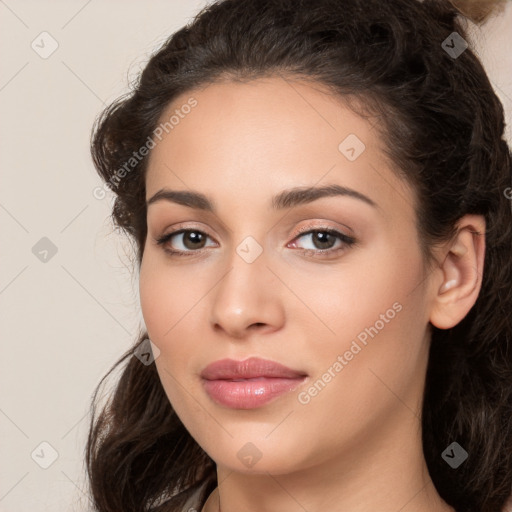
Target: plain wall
66,319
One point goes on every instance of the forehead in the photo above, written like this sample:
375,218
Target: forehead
257,137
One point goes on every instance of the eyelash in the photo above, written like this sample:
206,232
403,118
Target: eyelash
347,241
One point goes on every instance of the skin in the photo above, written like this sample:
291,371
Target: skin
356,445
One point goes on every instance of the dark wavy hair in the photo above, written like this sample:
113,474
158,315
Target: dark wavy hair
443,127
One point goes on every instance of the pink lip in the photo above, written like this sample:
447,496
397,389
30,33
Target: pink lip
250,383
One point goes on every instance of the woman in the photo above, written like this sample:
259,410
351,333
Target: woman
318,195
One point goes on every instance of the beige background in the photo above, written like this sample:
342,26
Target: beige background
67,319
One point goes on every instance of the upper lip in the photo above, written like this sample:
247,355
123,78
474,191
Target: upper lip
228,369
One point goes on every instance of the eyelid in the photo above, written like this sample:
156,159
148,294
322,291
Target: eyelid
346,240
177,230
183,226
322,227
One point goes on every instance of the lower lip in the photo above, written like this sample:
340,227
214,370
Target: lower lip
249,394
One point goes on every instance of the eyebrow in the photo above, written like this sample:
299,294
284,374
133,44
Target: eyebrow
285,199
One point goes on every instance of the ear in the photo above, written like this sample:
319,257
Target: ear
459,280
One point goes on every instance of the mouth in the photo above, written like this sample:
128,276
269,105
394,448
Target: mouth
244,380
248,384
252,368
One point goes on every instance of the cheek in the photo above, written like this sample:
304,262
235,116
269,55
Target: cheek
379,335
388,320
167,296
165,311
153,300
376,314
352,297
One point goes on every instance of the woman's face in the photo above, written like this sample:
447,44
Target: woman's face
350,320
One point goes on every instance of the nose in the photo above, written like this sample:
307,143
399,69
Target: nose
247,299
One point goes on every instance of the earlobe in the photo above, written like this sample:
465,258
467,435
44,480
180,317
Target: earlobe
462,270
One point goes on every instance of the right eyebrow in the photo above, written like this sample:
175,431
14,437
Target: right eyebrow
183,197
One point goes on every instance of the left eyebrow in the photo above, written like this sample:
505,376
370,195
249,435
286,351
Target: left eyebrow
302,195
286,199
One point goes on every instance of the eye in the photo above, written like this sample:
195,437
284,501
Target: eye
189,241
323,241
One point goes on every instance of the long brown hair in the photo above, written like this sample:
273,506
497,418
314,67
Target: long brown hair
443,127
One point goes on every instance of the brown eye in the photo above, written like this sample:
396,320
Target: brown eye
193,239
324,240
183,241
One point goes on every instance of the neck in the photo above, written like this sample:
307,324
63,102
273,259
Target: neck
388,474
